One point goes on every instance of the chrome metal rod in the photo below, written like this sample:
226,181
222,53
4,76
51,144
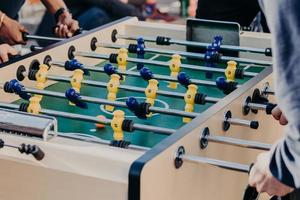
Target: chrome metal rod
112,103
218,163
11,146
188,54
198,44
269,92
248,61
37,37
137,74
126,87
75,117
141,127
35,48
85,138
257,106
238,142
157,63
241,122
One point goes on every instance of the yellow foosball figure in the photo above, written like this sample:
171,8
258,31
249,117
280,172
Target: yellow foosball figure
189,99
41,78
116,125
175,64
122,60
112,88
34,106
76,81
150,92
230,71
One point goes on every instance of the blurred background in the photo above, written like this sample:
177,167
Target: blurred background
170,11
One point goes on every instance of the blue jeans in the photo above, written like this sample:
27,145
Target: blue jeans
93,17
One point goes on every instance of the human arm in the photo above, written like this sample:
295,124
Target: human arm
11,31
192,7
284,160
66,25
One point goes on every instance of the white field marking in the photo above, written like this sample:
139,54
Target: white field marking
248,66
82,135
152,58
165,104
251,65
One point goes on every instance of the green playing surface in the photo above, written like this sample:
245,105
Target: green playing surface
147,139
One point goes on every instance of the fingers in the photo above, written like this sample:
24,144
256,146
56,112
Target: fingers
66,27
261,178
23,29
12,51
283,121
74,27
257,173
272,187
62,31
278,115
12,31
5,51
3,57
19,38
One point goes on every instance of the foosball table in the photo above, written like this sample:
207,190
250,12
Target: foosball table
125,112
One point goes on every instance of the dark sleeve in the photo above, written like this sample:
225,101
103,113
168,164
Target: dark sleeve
240,11
114,8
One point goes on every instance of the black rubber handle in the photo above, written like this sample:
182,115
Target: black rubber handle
78,31
24,36
33,48
37,153
269,108
268,52
2,143
254,124
12,57
250,193
34,150
53,29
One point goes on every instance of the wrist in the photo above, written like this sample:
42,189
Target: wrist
2,18
6,20
61,13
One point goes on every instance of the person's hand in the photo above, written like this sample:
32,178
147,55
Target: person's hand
11,31
278,115
192,8
261,178
66,25
5,51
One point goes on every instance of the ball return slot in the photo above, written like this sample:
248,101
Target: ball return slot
19,123
14,122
